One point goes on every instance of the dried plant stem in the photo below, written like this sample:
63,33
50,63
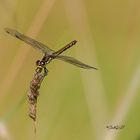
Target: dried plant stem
34,93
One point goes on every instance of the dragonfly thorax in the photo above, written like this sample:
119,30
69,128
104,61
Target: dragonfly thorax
45,60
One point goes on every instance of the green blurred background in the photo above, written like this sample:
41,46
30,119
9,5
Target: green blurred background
74,104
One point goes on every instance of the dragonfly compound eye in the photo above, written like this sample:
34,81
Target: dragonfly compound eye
38,62
42,63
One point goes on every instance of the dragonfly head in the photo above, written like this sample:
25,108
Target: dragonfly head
40,63
45,60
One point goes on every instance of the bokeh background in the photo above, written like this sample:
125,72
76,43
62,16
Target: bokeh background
74,104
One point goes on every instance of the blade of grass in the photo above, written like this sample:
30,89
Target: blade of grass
125,103
92,82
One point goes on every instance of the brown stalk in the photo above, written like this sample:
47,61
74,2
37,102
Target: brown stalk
34,91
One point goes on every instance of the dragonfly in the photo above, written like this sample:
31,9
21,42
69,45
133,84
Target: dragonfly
49,54
41,70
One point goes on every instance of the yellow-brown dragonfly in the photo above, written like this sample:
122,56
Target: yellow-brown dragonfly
49,54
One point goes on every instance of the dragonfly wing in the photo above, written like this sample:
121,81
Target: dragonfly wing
75,62
37,45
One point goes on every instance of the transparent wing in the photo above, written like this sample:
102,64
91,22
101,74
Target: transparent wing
37,45
75,62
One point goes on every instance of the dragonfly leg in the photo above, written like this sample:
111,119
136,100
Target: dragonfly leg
38,69
45,71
